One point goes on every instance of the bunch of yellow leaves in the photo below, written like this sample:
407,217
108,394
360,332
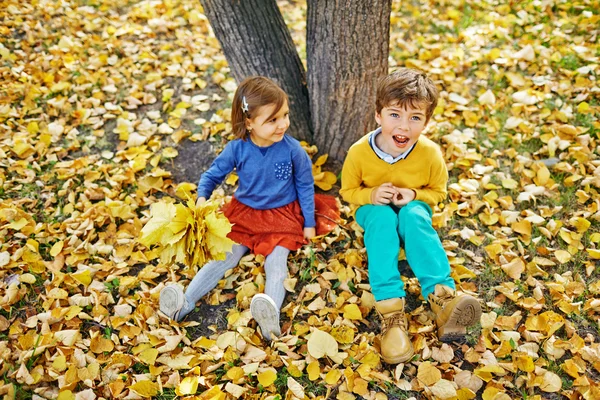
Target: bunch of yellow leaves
187,234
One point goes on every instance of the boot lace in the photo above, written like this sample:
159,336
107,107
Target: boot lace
442,300
395,319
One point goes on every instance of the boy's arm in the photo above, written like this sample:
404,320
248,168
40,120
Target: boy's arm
436,190
352,190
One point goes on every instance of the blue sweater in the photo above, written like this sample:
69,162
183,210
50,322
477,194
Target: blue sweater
270,180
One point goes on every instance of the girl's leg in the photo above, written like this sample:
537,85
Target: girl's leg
383,246
424,251
207,278
276,271
265,307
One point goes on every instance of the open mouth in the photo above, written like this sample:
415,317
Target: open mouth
401,140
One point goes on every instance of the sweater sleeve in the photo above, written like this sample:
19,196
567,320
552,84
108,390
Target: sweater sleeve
436,190
221,166
352,190
305,185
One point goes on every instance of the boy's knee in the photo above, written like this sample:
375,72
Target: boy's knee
380,216
416,210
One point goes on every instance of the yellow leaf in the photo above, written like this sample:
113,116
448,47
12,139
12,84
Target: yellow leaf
184,190
562,256
594,253
84,277
515,268
509,184
321,344
543,176
581,224
314,370
235,373
145,388
232,179
343,334
188,386
523,362
66,395
551,382
213,393
59,364
100,344
465,394
360,386
352,312
371,359
333,376
428,374
321,160
156,229
57,248
267,377
583,107
148,356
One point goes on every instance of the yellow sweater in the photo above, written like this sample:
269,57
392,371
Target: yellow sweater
423,170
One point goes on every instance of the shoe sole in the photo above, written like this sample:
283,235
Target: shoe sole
265,313
399,359
467,312
171,301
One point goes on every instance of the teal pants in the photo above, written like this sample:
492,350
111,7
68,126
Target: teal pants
385,230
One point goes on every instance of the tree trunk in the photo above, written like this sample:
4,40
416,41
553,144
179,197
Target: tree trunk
256,41
347,51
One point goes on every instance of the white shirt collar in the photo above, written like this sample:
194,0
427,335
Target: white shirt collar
388,158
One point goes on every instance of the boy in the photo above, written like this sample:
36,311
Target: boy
396,177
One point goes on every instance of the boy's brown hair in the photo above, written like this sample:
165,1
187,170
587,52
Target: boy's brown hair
407,87
253,93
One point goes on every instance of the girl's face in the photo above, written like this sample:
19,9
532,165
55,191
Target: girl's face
265,131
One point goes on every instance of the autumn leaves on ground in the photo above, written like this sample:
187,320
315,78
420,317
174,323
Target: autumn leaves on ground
96,98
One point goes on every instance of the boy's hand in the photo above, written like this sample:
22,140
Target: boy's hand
403,196
310,233
383,194
200,201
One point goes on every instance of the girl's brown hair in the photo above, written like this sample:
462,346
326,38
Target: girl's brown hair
407,87
253,93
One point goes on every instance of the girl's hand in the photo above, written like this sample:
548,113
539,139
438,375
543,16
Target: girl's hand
383,194
310,233
200,201
403,197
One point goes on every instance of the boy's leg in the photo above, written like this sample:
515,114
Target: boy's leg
209,275
383,246
424,251
265,307
427,258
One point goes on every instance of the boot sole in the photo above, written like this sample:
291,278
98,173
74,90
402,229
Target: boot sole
399,359
467,312
265,313
171,301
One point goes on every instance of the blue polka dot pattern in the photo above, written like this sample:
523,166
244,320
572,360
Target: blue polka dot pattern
283,170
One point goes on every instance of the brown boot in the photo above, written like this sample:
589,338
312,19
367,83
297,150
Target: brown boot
395,345
453,312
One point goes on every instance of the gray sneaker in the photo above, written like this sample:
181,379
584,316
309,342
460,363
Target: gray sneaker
265,313
172,301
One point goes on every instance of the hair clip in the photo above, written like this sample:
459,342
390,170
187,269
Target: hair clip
244,104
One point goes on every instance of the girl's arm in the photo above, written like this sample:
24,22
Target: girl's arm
305,187
223,165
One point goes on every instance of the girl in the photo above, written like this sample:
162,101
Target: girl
273,209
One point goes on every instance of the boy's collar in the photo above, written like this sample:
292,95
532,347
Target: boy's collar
388,158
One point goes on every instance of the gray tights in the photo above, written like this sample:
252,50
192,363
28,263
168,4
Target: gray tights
209,275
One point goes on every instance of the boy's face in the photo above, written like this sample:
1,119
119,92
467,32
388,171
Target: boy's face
401,127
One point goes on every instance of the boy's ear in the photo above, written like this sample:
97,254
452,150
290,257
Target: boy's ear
378,118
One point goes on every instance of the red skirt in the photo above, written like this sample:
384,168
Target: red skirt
262,230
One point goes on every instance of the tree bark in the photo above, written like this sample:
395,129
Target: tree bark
256,41
347,52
